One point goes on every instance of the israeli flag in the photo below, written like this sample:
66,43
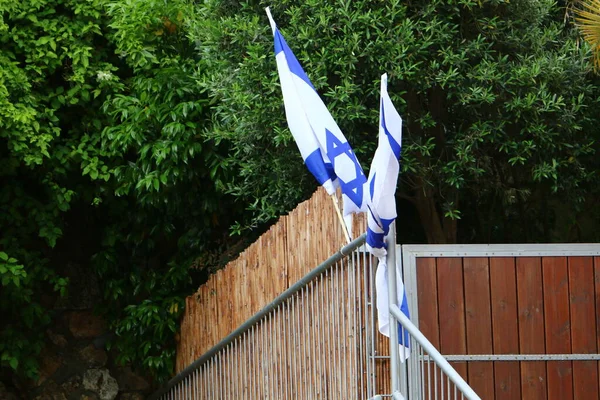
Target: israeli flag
325,150
383,178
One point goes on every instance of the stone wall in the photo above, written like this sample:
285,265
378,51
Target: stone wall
74,364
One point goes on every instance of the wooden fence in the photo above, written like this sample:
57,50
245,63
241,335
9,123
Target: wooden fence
293,246
515,305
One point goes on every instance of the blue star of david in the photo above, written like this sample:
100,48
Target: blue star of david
354,188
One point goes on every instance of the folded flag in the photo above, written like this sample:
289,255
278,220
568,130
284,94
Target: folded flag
381,186
325,150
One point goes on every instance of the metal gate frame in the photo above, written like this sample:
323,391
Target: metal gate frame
410,253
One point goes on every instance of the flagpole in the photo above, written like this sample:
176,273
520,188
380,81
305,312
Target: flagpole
339,214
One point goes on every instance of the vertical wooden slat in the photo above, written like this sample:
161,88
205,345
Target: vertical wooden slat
583,326
557,326
452,310
505,327
531,326
427,293
479,324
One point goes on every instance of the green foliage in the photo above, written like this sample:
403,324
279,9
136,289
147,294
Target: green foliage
135,136
497,99
103,164
47,77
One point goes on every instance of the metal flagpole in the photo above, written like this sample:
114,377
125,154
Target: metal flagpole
392,291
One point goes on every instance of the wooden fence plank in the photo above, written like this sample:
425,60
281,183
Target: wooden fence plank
531,326
557,326
452,310
479,323
505,327
583,326
427,293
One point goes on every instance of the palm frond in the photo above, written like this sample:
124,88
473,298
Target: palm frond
588,22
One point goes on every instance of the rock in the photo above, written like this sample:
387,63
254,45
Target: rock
100,382
84,324
49,364
58,339
92,356
72,385
130,381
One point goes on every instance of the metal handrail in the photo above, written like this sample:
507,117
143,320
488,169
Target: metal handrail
438,358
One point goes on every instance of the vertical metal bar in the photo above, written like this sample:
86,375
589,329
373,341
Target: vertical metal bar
281,353
422,374
429,390
272,355
295,328
344,316
435,380
372,327
323,337
299,364
367,341
303,370
336,328
355,325
328,335
312,334
255,362
391,264
235,377
285,348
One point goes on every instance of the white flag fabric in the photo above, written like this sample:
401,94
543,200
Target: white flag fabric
325,150
383,178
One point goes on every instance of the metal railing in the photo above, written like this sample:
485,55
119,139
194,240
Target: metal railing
317,340
314,341
427,374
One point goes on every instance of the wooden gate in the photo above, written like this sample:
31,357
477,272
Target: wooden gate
517,321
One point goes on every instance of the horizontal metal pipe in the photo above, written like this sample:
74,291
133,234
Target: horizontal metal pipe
520,357
433,353
343,252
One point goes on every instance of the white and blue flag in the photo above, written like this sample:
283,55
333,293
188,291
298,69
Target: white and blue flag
381,187
325,150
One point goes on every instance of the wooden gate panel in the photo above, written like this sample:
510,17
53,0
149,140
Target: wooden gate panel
451,306
531,326
479,324
557,326
427,292
583,326
505,330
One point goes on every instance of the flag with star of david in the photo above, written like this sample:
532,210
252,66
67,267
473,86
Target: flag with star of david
325,150
381,198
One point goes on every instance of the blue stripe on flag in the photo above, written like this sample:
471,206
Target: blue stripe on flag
372,188
294,65
375,240
393,143
404,339
319,168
